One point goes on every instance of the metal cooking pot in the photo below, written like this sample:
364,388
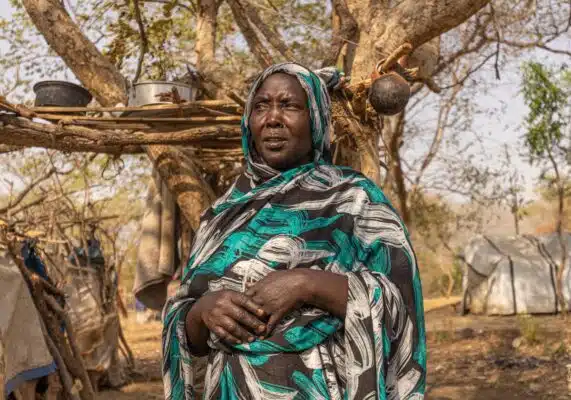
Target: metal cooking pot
149,92
60,94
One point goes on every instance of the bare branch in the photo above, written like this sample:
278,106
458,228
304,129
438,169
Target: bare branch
470,72
536,44
143,38
22,195
443,115
254,43
348,30
273,37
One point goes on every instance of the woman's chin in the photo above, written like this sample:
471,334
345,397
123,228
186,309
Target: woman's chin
278,161
283,162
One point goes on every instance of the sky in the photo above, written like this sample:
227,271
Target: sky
498,128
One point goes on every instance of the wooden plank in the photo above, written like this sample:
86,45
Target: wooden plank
214,104
226,119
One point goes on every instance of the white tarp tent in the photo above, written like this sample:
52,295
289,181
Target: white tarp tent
514,275
24,355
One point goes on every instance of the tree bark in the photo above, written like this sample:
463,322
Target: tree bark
206,34
22,132
345,34
385,27
392,132
254,43
184,181
272,36
63,35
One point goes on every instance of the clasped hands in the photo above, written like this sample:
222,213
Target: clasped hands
237,318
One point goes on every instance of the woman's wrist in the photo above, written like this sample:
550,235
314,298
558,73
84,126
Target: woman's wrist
325,290
306,286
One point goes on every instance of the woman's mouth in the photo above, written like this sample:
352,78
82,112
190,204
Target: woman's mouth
274,143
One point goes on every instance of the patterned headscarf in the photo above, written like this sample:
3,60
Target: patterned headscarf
319,105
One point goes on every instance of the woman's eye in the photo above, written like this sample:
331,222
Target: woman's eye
260,106
290,106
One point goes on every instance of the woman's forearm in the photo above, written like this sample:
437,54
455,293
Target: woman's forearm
196,332
327,291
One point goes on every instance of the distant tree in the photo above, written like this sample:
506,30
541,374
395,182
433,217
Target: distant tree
548,144
515,198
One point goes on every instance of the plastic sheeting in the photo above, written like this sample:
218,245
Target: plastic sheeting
514,275
24,354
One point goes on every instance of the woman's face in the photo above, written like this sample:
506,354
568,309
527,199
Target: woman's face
280,122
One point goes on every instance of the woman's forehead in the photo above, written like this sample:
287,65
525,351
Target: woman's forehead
281,83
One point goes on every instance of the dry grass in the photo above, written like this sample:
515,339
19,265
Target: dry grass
146,384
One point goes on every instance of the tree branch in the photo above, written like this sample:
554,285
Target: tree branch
417,22
143,38
254,43
273,37
348,30
4,148
22,132
538,44
94,71
184,180
470,72
206,35
443,114
178,4
22,195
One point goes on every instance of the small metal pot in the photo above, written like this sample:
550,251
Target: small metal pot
61,94
155,92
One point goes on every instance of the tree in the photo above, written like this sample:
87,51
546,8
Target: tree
63,199
153,36
546,93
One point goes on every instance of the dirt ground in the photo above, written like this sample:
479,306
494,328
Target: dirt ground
469,358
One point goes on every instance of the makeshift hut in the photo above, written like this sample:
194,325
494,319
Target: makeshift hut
25,358
91,292
515,275
59,314
38,338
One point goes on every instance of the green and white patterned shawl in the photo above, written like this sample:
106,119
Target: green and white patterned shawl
317,216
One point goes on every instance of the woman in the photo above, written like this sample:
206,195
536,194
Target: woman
302,282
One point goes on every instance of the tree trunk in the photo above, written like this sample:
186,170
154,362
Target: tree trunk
101,78
383,27
562,244
206,34
184,181
387,24
392,133
63,35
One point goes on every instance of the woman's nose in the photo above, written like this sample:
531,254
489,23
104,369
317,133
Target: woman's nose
274,116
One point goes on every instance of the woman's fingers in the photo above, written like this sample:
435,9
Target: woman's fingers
225,336
246,319
236,330
246,302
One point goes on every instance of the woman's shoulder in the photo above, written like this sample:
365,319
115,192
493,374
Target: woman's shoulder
349,178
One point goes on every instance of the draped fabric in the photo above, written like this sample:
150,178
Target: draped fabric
315,216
